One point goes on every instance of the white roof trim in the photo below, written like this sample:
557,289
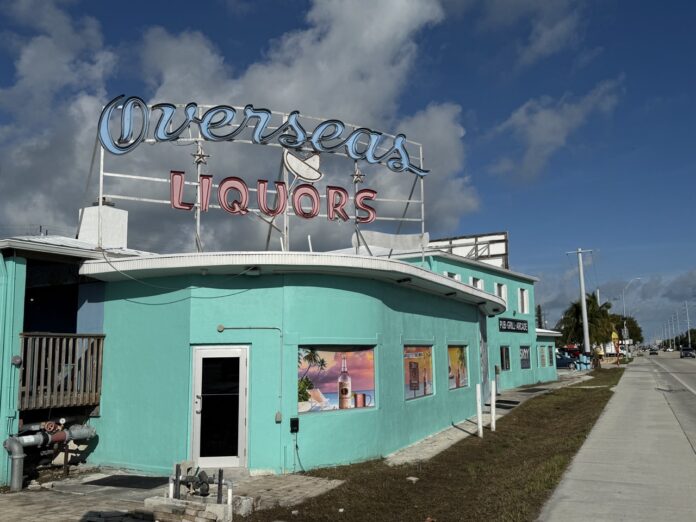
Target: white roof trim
292,262
547,333
63,246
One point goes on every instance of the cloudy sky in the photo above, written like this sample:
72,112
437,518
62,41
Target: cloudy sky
566,123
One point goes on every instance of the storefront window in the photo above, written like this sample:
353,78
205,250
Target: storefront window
525,358
418,371
550,355
504,357
335,378
458,367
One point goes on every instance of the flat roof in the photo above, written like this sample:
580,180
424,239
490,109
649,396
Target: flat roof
260,263
63,246
466,260
547,333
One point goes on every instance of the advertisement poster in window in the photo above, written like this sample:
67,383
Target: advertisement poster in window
335,379
418,371
458,367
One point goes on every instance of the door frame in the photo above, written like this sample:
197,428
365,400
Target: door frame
220,351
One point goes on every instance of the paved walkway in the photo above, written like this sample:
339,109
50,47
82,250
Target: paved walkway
636,464
76,499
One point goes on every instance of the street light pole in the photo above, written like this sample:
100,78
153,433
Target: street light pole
623,300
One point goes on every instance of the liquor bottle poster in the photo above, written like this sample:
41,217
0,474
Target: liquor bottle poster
418,371
332,378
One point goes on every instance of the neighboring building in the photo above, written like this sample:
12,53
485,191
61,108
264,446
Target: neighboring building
269,361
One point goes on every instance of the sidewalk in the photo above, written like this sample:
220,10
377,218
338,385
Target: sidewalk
637,464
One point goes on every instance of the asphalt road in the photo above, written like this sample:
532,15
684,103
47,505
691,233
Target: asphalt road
676,379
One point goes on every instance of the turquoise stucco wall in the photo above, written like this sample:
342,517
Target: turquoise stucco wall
145,400
146,409
515,376
12,285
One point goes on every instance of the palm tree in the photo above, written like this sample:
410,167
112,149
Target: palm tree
598,320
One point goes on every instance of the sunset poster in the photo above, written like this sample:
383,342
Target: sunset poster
458,367
332,380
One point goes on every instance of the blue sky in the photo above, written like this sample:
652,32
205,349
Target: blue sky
568,123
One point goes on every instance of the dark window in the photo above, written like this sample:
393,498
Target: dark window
525,357
504,357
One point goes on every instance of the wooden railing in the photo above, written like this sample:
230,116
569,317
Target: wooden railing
60,370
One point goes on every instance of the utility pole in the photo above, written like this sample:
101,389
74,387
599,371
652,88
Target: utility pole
678,325
583,299
674,332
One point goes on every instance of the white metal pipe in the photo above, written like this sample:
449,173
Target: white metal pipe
479,411
493,394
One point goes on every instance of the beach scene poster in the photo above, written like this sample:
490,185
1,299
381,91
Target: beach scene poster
333,380
458,367
418,371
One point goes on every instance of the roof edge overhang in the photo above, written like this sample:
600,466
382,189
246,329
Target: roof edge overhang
226,263
67,251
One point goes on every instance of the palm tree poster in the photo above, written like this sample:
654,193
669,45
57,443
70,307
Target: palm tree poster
335,380
458,369
418,371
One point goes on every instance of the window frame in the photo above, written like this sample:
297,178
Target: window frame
528,358
432,371
523,300
339,349
505,348
465,347
503,294
477,282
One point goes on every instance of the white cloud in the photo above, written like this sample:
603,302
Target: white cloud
352,61
543,125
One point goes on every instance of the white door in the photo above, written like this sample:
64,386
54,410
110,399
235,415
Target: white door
219,406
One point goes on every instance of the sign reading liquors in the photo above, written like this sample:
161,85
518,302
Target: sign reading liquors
216,124
513,325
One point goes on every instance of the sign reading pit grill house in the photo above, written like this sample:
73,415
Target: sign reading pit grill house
513,325
216,125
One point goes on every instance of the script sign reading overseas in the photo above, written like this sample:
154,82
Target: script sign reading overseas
513,325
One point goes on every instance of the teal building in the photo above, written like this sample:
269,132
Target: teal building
269,361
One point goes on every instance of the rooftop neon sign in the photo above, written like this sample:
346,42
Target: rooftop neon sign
217,124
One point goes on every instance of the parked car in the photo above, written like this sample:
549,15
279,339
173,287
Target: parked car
654,351
687,352
564,361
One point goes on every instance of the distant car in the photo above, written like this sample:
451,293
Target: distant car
686,352
654,351
670,349
564,361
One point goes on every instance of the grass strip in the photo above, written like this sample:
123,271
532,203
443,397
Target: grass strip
506,476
